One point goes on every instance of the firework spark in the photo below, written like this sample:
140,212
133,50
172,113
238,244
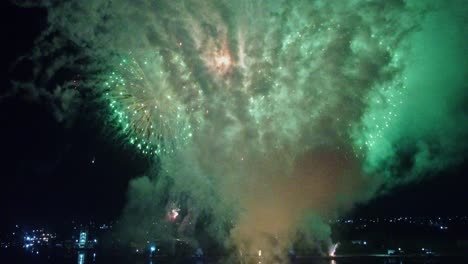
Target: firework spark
332,249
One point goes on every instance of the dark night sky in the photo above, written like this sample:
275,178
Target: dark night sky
48,174
47,168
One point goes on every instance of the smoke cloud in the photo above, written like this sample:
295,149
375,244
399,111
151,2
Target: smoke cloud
297,110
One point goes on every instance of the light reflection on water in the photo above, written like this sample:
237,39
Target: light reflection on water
90,258
81,258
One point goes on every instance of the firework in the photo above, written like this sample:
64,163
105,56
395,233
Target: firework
173,212
147,107
310,101
332,249
172,215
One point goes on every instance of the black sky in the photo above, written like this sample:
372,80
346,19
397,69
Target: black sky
47,169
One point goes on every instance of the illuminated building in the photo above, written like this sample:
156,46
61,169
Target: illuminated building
83,239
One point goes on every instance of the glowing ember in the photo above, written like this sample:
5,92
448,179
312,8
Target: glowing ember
172,215
218,57
223,61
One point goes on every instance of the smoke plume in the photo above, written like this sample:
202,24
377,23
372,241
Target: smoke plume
297,110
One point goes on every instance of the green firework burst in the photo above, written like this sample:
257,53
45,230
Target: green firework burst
144,105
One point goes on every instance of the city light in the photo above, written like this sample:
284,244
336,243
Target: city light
32,241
